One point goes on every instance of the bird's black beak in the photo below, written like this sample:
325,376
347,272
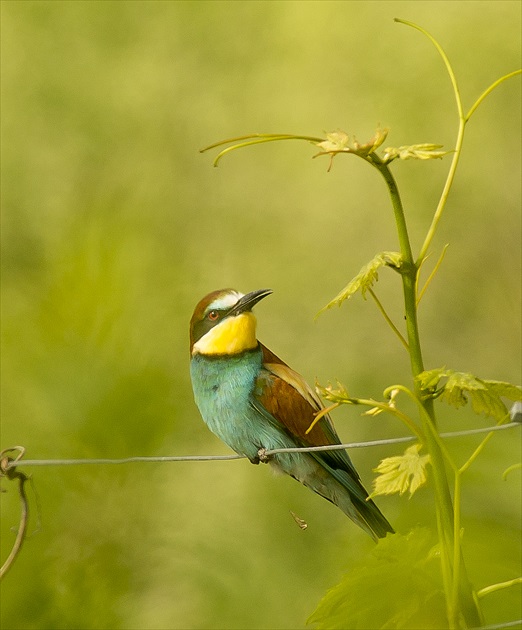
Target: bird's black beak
248,301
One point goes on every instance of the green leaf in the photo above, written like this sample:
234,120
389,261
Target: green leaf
339,395
397,585
415,152
366,278
429,379
341,142
336,141
401,473
456,388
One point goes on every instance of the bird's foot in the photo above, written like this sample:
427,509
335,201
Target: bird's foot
262,456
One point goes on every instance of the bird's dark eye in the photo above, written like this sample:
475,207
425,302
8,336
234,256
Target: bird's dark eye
213,316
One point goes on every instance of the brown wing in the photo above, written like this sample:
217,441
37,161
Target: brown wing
291,401
287,396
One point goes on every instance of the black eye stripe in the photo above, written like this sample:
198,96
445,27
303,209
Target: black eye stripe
202,327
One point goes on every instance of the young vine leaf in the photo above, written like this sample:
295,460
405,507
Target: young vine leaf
425,151
401,473
366,278
336,395
341,142
456,388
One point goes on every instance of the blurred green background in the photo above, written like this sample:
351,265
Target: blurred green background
114,226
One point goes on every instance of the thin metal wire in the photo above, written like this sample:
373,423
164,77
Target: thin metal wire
125,460
267,453
399,440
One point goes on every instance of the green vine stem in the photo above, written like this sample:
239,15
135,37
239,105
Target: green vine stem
458,146
463,119
388,319
257,138
432,274
487,590
461,609
489,90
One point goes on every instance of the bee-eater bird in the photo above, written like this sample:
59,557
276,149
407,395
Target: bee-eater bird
253,401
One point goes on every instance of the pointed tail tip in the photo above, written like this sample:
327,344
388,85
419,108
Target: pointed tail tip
381,529
383,532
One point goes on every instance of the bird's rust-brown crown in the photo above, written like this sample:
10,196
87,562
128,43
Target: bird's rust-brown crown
223,324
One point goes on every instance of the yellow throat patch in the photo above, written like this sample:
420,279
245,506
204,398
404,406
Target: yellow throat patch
231,336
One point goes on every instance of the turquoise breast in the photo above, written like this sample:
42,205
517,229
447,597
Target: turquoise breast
223,388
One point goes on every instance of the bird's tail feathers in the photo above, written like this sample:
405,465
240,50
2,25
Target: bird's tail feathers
352,499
